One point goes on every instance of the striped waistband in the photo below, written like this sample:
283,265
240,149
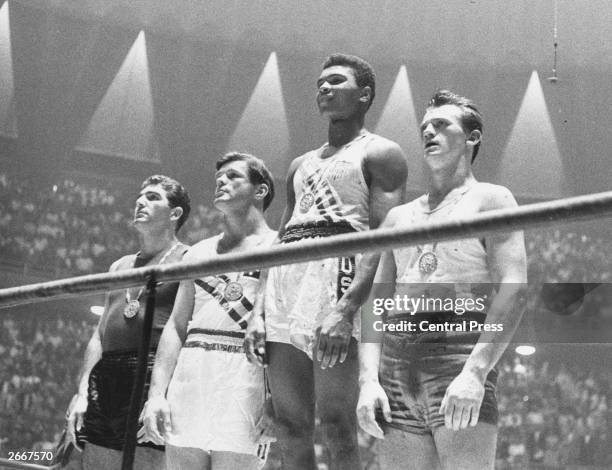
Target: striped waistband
212,332
319,229
230,348
215,340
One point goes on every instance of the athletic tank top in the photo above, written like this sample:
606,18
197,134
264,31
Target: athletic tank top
223,301
333,189
121,333
450,269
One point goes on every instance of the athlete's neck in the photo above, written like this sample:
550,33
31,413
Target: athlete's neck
238,226
440,186
152,244
342,131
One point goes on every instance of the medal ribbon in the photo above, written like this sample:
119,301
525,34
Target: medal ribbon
240,308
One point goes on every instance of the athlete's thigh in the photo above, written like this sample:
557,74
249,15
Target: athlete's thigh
337,388
472,448
179,458
407,450
291,382
233,460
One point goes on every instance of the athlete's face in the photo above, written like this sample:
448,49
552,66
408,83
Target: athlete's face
442,135
338,95
232,185
153,208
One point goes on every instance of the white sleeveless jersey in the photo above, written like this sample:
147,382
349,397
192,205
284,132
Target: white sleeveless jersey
224,301
461,268
333,189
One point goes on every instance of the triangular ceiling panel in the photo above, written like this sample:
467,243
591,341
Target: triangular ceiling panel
398,122
62,67
8,121
531,164
123,123
262,128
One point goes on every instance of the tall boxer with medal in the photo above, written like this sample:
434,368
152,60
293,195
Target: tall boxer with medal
98,414
309,337
206,398
437,389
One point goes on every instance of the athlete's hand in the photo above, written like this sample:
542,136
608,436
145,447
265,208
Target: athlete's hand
371,397
461,403
156,412
332,341
265,429
255,341
74,417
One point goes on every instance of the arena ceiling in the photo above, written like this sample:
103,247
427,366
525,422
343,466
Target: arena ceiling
205,58
479,31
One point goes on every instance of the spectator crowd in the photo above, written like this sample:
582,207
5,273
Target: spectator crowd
554,414
71,228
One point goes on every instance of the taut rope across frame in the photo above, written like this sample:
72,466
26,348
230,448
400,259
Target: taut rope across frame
522,217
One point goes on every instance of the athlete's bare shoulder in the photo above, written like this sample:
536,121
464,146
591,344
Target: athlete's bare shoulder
381,148
493,196
296,162
202,248
125,262
398,214
385,161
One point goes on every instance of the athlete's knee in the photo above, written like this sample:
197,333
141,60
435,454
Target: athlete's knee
294,427
339,433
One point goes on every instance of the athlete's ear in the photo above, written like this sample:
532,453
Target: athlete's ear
366,94
475,137
262,191
176,213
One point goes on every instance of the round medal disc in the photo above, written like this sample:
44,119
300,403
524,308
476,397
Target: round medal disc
306,202
428,262
131,309
233,291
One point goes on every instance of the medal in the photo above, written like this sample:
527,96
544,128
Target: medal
132,306
428,262
306,202
131,309
233,291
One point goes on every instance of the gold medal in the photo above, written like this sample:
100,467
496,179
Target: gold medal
306,202
428,262
233,291
131,309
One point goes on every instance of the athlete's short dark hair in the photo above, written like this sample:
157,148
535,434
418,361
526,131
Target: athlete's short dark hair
364,73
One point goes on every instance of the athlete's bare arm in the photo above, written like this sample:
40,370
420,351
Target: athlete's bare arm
255,335
170,344
371,393
385,171
507,263
93,353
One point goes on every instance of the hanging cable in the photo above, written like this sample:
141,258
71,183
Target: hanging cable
554,78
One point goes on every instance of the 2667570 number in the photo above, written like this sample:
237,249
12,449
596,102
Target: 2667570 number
30,455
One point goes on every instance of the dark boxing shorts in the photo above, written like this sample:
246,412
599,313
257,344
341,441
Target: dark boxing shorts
109,393
417,368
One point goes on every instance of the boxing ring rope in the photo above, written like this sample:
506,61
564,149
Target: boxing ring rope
504,220
518,218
